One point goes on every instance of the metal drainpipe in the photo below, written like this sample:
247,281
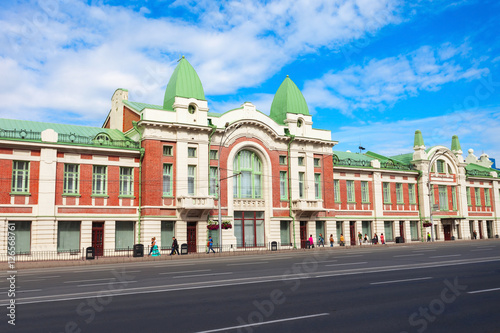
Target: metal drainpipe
214,128
142,151
417,192
292,137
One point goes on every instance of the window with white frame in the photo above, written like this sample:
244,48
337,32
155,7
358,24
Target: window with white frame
317,186
214,154
487,201
387,192
248,185
336,190
443,197
283,185
126,181
213,181
168,150
191,151
283,160
191,179
411,194
440,166
167,180
399,193
365,195
317,162
20,176
301,185
71,178
300,160
351,196
99,180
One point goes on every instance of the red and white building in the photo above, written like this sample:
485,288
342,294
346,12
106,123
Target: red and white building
154,171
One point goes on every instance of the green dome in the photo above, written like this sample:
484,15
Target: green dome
288,99
184,82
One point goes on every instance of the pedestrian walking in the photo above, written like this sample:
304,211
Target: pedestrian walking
210,245
375,239
311,241
360,237
366,238
153,246
175,246
382,239
342,241
474,234
428,236
321,240
331,240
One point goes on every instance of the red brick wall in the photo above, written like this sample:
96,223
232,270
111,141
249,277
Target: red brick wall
152,173
5,180
34,182
128,117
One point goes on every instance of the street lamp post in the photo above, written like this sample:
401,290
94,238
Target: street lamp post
221,144
434,158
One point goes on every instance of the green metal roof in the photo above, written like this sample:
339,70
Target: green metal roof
403,158
184,82
455,143
354,156
473,169
288,99
141,106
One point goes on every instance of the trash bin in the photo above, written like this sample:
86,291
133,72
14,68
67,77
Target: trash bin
400,240
138,250
308,245
184,249
452,237
90,253
274,246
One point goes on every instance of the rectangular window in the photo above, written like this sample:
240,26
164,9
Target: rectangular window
487,197
443,197
213,181
388,231
68,236
22,234
399,193
167,180
99,180
317,186
365,195
124,235
339,230
440,166
336,190
411,194
191,152
191,179
285,233
167,232
351,196
468,196
387,192
414,230
477,192
320,230
317,163
283,185
20,177
71,178
126,181
301,185
249,228
283,159
366,229
454,197
300,160
168,150
214,154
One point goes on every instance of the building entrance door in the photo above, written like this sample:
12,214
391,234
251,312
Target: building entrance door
402,231
191,237
447,232
489,229
98,238
303,234
480,223
352,228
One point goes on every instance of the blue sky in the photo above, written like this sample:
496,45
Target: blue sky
371,71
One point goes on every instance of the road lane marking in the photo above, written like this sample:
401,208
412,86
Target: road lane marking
397,281
485,249
27,291
446,256
485,246
167,265
199,270
408,255
101,284
188,276
349,263
416,251
22,281
482,291
78,281
287,257
248,263
358,255
265,323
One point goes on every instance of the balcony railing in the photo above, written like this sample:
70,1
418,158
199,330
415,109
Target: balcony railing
192,202
307,205
20,134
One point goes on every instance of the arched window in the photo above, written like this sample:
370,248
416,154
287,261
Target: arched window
248,185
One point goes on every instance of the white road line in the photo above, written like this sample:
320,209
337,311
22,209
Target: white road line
27,291
188,276
199,270
287,257
313,262
417,251
78,281
482,291
358,255
101,284
396,281
408,255
485,246
248,263
446,256
265,323
167,265
32,280
350,263
486,249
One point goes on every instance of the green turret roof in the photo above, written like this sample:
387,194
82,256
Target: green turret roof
184,82
288,99
455,144
419,140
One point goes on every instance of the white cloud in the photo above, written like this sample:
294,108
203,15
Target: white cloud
379,84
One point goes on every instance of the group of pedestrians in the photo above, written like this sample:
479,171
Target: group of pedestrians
154,248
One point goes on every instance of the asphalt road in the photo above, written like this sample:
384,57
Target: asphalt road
440,287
